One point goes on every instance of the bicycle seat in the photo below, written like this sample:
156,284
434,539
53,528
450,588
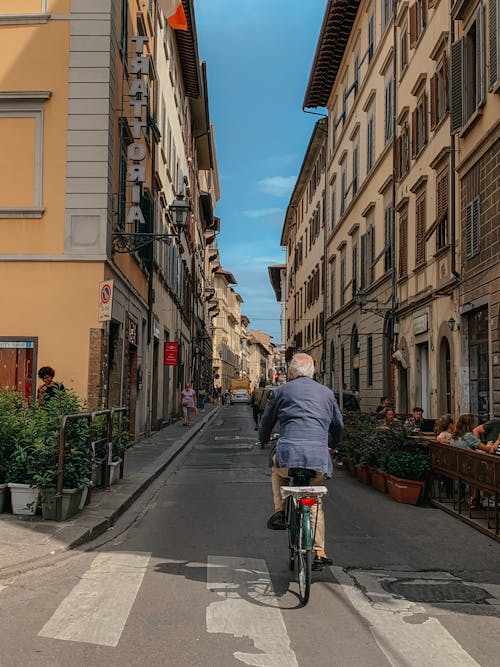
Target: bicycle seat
301,476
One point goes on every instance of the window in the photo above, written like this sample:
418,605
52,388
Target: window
369,361
389,108
472,227
332,287
371,37
403,245
418,21
419,125
467,73
420,231
343,187
442,210
124,30
342,279
354,283
355,167
439,93
388,238
334,205
403,151
386,12
370,148
367,258
403,46
22,138
356,74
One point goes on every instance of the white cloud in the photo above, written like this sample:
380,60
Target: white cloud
262,212
277,186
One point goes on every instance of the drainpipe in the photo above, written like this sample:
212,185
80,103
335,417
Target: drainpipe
394,300
453,207
325,263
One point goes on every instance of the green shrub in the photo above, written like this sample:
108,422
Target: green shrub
411,463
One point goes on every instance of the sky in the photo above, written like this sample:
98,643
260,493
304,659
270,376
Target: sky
259,55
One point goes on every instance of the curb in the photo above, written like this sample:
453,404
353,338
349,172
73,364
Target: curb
102,526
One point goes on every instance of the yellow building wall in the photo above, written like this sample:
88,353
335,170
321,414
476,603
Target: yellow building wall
58,302
35,57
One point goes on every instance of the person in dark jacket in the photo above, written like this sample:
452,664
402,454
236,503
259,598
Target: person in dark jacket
306,411
49,388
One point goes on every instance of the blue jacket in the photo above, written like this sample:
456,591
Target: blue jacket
305,410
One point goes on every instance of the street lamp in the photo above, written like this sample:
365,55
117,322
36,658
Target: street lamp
130,243
452,324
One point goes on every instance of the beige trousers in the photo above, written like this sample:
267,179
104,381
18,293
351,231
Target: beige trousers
279,478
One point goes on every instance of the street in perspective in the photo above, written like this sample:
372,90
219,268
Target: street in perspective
250,333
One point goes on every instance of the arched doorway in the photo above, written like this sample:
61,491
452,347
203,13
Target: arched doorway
445,387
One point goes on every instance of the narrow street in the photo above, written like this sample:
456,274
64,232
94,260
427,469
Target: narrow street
198,580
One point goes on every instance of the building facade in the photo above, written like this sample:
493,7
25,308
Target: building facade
103,142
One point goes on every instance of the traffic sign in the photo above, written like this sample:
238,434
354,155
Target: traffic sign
105,300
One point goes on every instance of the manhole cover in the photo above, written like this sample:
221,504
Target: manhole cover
435,591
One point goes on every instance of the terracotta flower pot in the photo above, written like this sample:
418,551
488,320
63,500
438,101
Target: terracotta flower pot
404,490
378,480
351,467
363,473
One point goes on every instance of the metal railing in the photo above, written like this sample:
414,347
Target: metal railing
106,439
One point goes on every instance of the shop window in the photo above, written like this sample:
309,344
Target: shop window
17,362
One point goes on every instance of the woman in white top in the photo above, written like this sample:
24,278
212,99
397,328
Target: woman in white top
444,429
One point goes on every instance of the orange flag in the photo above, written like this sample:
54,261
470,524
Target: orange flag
174,13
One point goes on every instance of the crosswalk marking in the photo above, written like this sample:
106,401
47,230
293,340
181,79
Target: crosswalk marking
405,644
96,610
249,609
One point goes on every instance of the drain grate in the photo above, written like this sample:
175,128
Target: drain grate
436,591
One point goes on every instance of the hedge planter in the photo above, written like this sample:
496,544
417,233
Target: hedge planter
70,503
363,473
3,493
24,498
351,467
404,490
378,480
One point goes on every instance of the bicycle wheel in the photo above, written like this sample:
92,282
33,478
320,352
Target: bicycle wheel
304,559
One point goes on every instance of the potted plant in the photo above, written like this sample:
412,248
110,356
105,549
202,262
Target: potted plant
406,472
11,407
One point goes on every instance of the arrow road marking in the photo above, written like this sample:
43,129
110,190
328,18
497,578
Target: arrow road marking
249,609
405,644
98,607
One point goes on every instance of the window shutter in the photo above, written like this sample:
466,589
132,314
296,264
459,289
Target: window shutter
371,252
399,171
494,39
364,259
434,82
456,90
414,133
413,25
403,246
420,245
425,122
480,64
472,221
445,80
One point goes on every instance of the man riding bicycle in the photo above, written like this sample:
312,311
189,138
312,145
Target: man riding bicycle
307,412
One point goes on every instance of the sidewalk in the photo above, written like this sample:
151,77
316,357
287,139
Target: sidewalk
26,540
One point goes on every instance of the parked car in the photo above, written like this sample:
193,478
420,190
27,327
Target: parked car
240,396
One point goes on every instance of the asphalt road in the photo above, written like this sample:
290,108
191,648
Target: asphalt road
192,577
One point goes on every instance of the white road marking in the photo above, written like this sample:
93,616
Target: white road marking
96,610
405,644
250,609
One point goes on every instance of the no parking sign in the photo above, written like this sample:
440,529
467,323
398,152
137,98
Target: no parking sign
105,300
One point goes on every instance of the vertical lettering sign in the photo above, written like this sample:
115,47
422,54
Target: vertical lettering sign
136,151
171,353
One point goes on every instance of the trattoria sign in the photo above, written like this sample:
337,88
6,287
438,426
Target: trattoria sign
137,151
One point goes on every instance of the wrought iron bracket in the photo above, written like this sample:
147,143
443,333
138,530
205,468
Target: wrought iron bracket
380,312
130,243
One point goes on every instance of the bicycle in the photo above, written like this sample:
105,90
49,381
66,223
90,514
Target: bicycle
300,498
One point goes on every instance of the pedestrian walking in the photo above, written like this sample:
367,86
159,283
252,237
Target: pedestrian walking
259,400
188,403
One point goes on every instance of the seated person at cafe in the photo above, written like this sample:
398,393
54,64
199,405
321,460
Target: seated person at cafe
385,403
489,431
444,429
464,437
390,417
414,423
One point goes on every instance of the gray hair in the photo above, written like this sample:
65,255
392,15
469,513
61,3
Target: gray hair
302,365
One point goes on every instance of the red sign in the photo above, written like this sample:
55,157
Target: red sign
171,354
